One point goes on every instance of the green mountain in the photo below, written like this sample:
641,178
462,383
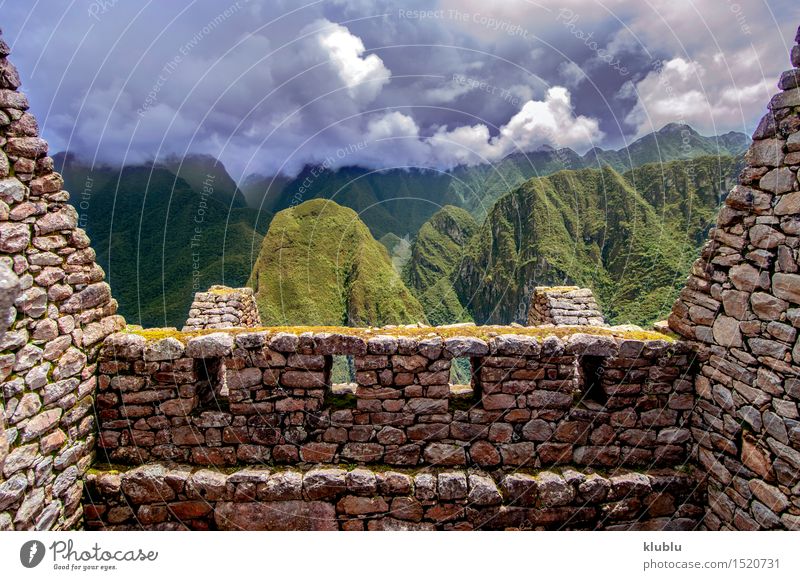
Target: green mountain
630,237
435,256
320,265
262,189
399,201
142,223
673,141
396,200
206,174
158,239
479,187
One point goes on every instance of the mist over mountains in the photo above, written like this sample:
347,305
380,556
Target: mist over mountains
460,242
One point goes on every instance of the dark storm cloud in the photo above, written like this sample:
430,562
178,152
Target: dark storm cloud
271,86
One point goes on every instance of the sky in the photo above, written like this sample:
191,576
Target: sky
272,86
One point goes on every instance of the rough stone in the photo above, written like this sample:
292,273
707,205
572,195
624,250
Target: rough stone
276,516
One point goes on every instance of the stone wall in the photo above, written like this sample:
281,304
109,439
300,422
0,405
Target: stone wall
564,305
223,307
165,497
56,325
254,397
741,309
9,292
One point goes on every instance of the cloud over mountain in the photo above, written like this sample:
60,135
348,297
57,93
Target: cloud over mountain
275,87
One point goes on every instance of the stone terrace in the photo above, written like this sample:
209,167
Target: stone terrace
169,497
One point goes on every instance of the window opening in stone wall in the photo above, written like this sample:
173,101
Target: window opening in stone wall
591,379
463,392
212,389
342,381
461,374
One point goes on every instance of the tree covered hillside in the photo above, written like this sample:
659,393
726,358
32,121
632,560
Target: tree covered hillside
435,257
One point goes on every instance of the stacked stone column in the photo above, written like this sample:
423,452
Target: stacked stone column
223,307
741,307
55,327
564,305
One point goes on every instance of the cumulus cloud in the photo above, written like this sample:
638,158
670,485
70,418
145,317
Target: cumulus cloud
550,121
685,91
363,76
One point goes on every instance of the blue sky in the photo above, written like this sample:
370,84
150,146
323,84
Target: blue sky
271,86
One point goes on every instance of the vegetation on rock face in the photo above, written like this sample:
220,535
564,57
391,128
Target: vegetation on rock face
413,331
435,256
319,264
631,238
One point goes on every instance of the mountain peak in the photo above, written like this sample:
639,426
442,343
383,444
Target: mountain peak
319,264
672,128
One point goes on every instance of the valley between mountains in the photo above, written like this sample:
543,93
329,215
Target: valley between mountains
362,247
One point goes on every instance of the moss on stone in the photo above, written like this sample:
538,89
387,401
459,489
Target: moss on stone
418,332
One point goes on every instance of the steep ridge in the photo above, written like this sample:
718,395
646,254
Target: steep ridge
628,237
320,265
401,200
435,256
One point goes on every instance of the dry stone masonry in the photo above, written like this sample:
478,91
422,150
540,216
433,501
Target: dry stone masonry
223,307
233,426
167,497
55,326
9,292
564,305
741,310
255,397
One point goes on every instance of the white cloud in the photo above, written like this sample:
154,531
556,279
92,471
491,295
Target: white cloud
571,73
551,122
363,76
701,95
547,122
391,125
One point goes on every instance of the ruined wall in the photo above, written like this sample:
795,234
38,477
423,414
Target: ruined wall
165,497
741,307
223,307
253,397
567,305
56,325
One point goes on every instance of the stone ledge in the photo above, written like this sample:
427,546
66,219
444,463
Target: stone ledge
457,340
171,496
